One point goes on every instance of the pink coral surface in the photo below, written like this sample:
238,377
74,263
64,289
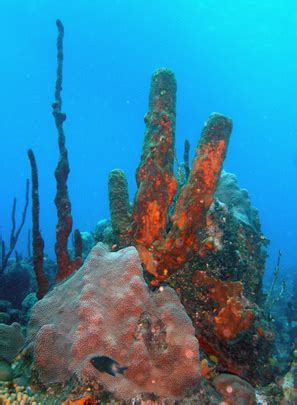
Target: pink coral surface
106,308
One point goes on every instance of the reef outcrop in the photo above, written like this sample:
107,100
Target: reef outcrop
183,279
11,341
200,234
234,390
106,309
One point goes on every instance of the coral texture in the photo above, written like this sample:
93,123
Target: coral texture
11,341
106,308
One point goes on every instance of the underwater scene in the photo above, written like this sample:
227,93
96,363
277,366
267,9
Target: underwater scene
148,244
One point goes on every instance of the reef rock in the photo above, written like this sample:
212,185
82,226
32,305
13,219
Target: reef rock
237,199
106,309
11,341
234,390
6,373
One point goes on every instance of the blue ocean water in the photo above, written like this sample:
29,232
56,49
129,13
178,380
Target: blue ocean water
237,58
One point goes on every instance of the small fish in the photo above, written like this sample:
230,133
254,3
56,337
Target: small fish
105,364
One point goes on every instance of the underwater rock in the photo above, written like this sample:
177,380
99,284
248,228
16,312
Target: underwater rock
20,275
4,318
50,270
8,314
5,305
220,288
237,199
289,382
233,249
106,309
29,301
6,373
15,315
27,305
88,242
234,390
104,232
11,341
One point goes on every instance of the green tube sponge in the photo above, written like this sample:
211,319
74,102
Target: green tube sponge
119,205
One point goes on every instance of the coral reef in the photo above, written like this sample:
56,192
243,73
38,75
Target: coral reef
198,231
106,308
218,290
200,242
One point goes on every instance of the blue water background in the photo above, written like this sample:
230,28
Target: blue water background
237,58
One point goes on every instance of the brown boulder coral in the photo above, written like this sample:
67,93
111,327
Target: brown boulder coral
106,309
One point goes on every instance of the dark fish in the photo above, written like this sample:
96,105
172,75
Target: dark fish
105,364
